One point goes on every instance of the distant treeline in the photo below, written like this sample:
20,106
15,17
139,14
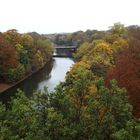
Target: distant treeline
22,54
76,38
79,37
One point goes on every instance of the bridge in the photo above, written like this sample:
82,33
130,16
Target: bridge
65,47
64,51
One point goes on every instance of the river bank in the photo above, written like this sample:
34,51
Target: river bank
49,76
6,86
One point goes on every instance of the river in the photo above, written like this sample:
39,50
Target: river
54,72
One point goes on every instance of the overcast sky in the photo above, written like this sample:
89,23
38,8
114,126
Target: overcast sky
54,16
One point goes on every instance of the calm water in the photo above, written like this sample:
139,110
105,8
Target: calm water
58,73
49,76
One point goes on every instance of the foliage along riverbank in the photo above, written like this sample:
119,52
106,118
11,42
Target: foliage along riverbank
88,105
114,54
21,55
81,108
6,86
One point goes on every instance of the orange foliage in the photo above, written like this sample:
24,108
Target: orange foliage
8,55
127,73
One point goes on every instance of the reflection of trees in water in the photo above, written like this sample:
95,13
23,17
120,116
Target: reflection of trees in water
30,84
44,73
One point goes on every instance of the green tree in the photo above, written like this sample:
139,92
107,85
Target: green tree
118,29
82,109
91,110
15,74
17,122
81,51
46,48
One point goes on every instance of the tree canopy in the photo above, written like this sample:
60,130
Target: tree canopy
21,55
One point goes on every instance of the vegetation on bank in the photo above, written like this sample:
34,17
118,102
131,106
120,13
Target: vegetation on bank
81,108
115,55
88,105
22,54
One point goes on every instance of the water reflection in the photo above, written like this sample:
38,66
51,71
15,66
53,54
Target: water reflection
60,68
49,76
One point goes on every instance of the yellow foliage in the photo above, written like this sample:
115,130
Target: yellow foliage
27,39
72,74
82,50
119,44
18,47
102,114
93,89
39,59
100,54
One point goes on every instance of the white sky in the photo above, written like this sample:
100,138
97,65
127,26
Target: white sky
53,16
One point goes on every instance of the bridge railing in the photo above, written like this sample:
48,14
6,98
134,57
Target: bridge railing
65,47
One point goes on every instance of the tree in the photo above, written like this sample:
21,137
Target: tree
100,57
21,54
118,29
133,32
81,51
118,45
17,121
27,41
8,57
82,109
126,72
12,36
45,48
99,54
16,74
24,57
92,110
36,60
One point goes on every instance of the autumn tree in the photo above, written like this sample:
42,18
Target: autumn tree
118,30
133,32
81,51
79,108
8,57
20,54
27,41
98,55
126,72
12,36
